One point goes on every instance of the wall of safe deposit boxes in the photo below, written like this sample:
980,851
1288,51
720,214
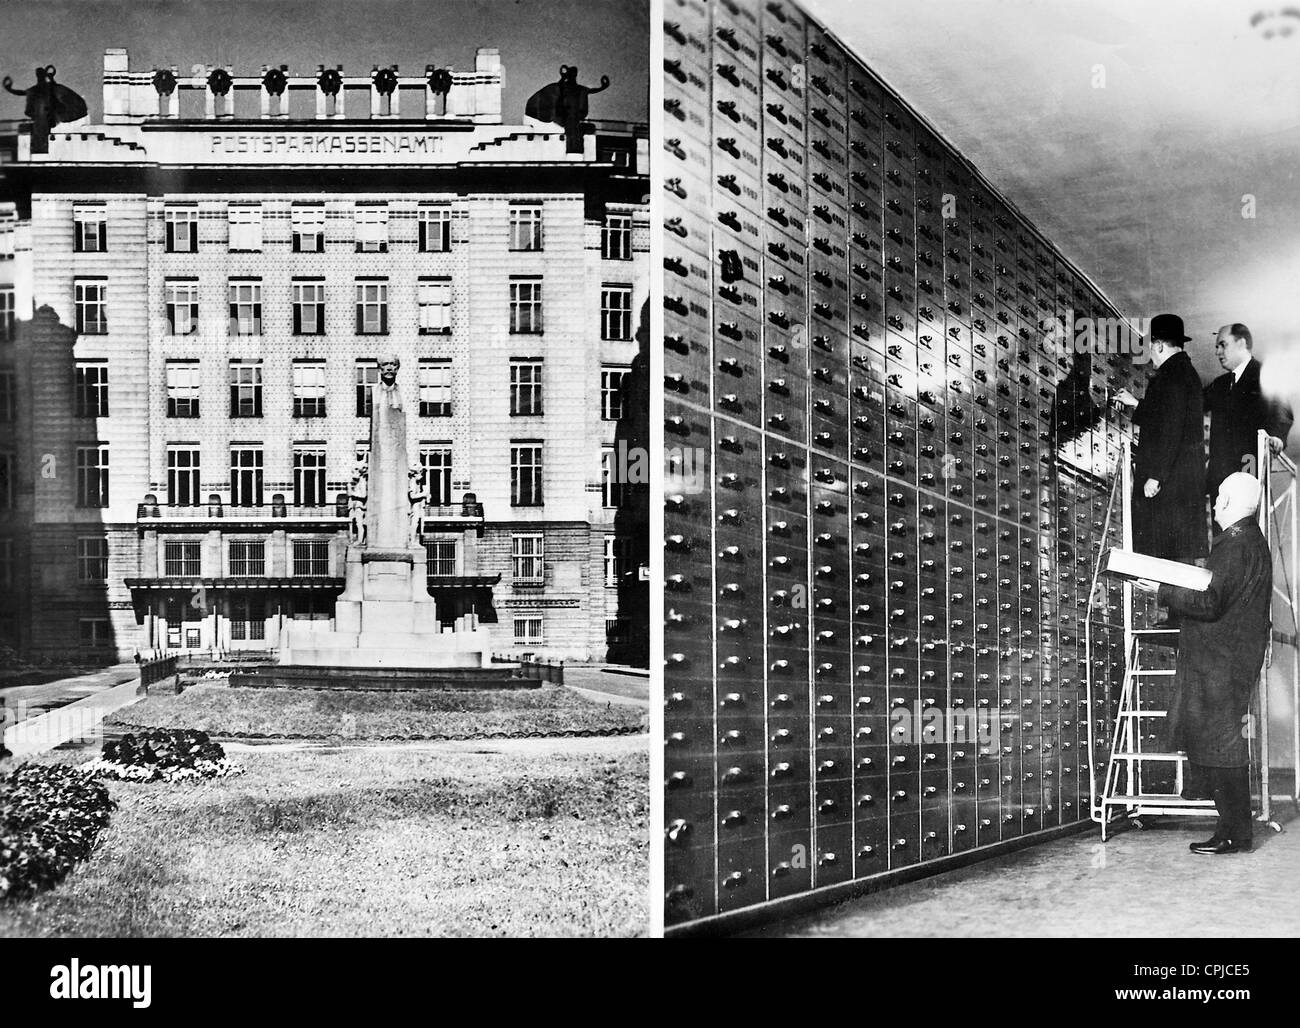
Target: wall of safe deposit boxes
870,529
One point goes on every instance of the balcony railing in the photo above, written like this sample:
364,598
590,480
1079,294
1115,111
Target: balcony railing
468,511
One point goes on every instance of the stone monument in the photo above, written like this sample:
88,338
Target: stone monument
385,617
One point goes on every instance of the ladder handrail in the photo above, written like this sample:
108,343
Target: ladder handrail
1087,646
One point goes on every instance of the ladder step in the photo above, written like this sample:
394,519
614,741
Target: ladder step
1156,800
1152,671
1135,755
1155,631
1143,713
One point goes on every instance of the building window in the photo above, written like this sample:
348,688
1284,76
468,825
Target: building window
91,225
617,562
616,312
6,480
7,315
308,389
246,308
6,563
311,558
435,389
92,307
92,476
183,476
616,237
435,229
366,376
182,300
528,631
245,228
308,229
247,618
183,559
526,558
90,390
526,306
182,226
611,479
308,308
245,389
92,559
435,306
615,155
8,407
95,633
246,476
440,559
372,230
372,308
182,389
525,228
247,558
435,461
611,393
526,475
525,388
309,476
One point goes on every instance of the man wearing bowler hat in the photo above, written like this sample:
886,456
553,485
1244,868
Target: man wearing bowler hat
1169,461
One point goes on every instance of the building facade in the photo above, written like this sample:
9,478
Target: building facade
214,273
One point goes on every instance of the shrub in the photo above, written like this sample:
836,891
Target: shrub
162,754
50,818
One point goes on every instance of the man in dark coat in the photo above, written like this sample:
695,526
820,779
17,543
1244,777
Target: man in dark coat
1221,647
1238,410
1168,484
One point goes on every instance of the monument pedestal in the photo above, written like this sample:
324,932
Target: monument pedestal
386,618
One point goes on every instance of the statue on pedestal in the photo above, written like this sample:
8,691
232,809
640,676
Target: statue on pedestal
385,615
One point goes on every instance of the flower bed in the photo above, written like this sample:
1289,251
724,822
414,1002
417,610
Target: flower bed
162,755
50,818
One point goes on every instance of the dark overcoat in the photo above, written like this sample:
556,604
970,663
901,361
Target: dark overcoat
1221,646
1171,449
1238,410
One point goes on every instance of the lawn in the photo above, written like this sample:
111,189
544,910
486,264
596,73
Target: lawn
417,714
358,841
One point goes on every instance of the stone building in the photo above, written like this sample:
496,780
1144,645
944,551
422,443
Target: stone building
204,284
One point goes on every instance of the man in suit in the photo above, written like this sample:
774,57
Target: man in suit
1221,647
1168,487
1238,410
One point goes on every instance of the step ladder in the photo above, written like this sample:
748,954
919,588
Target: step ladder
1131,788
1133,784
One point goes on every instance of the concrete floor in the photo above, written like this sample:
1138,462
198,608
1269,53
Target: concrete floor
1138,883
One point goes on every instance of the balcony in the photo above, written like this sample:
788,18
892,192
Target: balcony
279,514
